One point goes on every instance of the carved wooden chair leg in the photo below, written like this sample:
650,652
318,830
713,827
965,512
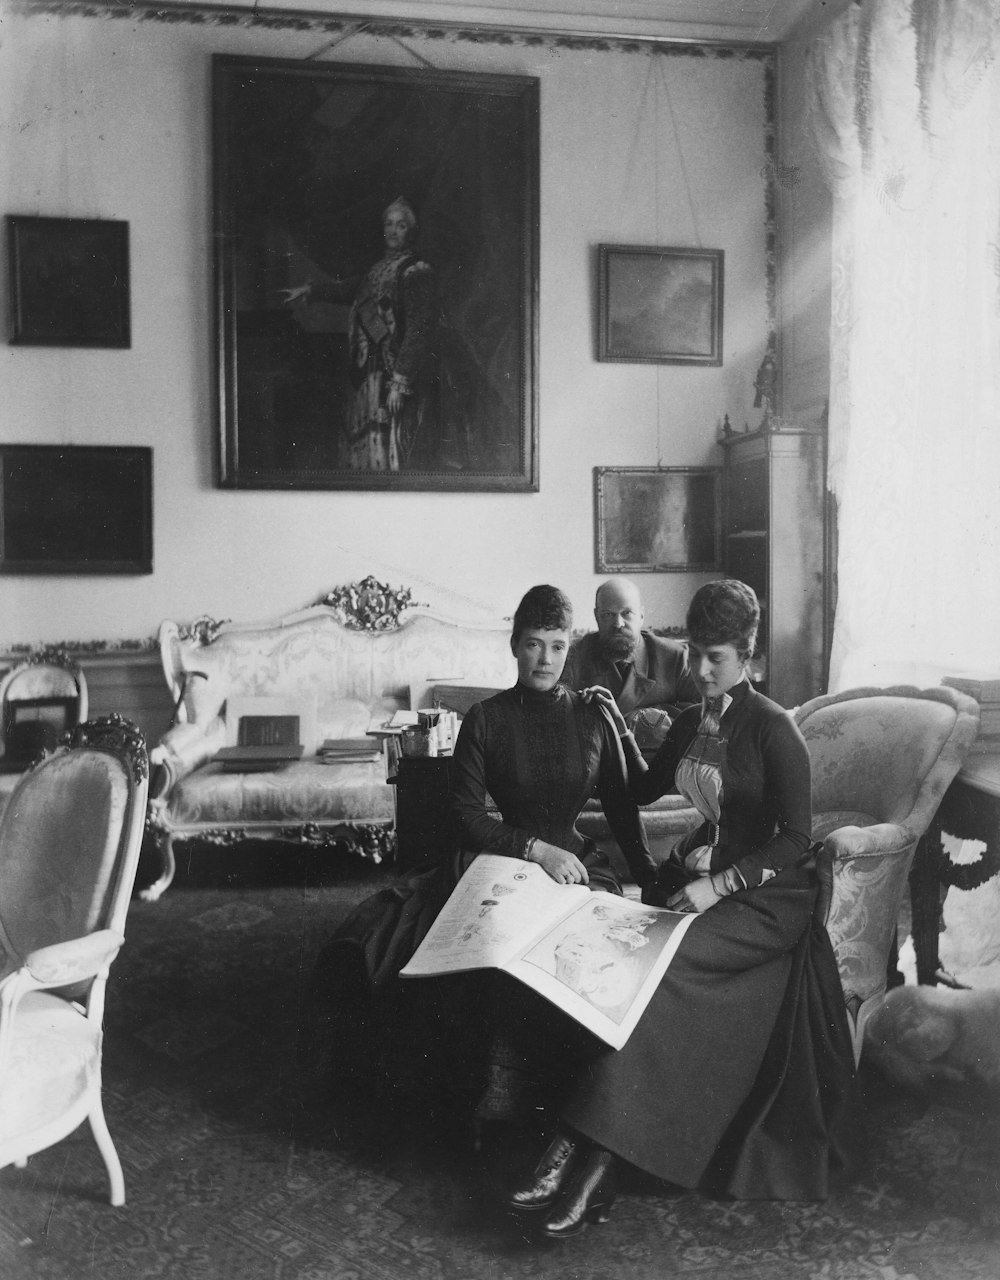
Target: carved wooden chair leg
165,848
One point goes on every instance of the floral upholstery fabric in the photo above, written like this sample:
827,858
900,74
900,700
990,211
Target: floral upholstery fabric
876,755
863,916
304,791
881,761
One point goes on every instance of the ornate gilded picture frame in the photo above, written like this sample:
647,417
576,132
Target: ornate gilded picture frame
659,305
657,520
376,275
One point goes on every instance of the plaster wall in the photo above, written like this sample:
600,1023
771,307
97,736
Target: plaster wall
109,118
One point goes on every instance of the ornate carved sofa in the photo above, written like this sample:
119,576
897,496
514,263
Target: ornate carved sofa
356,659
353,661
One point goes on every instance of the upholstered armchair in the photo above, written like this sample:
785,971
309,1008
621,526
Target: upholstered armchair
41,697
69,847
881,761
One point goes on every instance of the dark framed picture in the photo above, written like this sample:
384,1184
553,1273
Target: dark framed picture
76,509
376,241
663,520
659,306
69,282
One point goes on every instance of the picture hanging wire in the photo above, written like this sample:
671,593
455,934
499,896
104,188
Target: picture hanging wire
655,106
360,28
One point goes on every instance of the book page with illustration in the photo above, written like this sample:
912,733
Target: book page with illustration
596,956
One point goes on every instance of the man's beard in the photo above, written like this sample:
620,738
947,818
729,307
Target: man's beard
618,647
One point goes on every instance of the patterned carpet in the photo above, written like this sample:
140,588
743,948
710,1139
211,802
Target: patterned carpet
238,1166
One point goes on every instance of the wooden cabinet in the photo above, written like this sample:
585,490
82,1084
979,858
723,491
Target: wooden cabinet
425,833
773,539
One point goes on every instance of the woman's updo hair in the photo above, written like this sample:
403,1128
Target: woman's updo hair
543,608
724,612
405,208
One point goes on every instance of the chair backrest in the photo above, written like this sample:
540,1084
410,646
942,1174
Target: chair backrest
70,837
879,756
884,755
41,698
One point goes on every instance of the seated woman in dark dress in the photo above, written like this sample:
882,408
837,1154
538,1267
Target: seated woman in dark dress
736,1074
539,751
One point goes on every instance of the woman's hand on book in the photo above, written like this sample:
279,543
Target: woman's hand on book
564,867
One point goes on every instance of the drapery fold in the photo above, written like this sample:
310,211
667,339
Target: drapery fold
905,113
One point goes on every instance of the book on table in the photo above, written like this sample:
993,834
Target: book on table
348,750
596,956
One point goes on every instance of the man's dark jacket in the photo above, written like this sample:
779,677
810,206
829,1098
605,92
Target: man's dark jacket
658,677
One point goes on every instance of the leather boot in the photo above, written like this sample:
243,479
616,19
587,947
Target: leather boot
588,1197
548,1176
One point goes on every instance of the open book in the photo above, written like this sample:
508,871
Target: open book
596,956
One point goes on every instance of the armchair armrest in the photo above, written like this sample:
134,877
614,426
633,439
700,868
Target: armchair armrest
184,748
881,840
60,965
74,960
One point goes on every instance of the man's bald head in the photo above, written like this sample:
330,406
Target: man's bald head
618,613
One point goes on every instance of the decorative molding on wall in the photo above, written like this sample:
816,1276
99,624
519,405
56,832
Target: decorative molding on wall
348,25
79,649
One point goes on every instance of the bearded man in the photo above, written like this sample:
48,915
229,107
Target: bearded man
647,675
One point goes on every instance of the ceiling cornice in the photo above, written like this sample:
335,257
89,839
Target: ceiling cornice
344,23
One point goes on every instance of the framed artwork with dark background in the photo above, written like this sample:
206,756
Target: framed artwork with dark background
659,305
69,282
80,509
657,520
323,307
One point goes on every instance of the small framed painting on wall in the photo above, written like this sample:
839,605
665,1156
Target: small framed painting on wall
662,520
69,282
659,306
81,509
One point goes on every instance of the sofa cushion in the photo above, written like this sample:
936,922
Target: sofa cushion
304,791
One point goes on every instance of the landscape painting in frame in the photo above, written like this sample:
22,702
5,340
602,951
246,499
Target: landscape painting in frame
662,520
659,305
376,241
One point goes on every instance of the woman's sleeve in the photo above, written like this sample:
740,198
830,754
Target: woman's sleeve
620,808
788,794
480,830
647,782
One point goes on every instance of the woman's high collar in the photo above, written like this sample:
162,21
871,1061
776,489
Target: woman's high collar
538,697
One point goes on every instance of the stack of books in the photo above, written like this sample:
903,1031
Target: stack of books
348,750
986,691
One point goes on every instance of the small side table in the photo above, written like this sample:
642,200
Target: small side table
425,833
969,810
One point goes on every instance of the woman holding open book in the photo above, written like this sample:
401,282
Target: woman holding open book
736,1074
525,764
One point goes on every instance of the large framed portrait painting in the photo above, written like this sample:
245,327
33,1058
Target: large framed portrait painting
376,255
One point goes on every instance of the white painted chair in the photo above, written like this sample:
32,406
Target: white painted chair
69,847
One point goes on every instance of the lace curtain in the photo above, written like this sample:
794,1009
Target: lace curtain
905,108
